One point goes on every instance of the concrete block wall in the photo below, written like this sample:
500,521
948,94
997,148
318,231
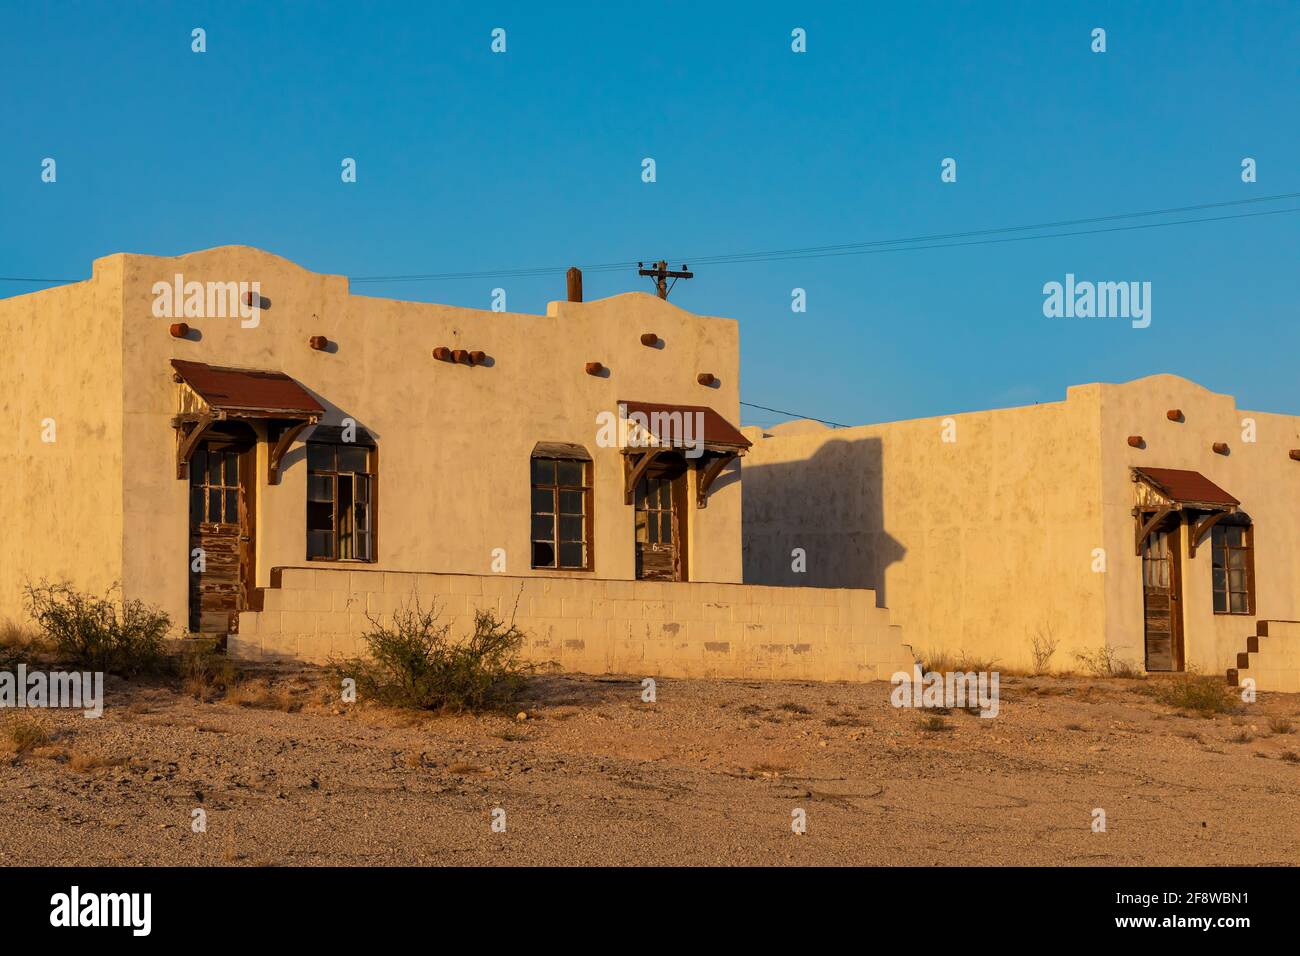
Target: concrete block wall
595,626
1275,666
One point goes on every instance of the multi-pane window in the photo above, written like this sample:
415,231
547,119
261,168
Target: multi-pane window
214,487
654,511
561,513
1234,568
340,501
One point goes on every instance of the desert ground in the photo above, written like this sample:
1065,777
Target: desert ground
710,773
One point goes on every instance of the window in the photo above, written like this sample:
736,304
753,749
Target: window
654,511
340,501
214,487
561,513
1234,568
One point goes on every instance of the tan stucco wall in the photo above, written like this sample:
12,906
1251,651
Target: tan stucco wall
454,441
61,359
652,628
1259,474
975,545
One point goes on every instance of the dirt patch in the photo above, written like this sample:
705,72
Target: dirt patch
587,773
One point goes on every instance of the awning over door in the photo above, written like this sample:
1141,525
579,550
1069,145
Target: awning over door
1162,492
650,430
246,392
208,394
682,425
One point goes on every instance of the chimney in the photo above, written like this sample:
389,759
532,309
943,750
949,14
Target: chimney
574,276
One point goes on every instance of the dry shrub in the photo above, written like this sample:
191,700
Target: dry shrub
933,724
1281,725
261,694
414,662
1195,692
1042,646
466,769
946,662
22,734
84,762
205,672
108,633
1106,662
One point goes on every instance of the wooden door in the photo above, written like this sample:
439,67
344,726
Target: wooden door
221,535
660,528
1162,600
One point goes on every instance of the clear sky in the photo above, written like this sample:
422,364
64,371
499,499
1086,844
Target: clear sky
472,161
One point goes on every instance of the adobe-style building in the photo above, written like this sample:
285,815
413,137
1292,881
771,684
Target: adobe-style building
1153,518
271,458
276,461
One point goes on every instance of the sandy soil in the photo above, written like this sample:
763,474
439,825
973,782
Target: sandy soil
710,773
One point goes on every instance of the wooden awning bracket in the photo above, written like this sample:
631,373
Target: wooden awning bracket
188,441
633,470
1144,529
1196,531
708,475
281,447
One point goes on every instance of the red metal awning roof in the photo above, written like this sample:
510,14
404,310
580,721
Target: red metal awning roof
717,430
247,392
1186,487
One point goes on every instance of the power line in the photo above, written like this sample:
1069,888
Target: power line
904,244
862,248
780,411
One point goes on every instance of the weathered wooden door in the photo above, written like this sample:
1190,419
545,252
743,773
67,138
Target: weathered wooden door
660,528
221,535
1162,600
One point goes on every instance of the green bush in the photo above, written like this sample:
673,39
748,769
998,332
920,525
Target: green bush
414,662
106,633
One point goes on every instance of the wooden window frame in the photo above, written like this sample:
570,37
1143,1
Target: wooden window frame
1247,547
201,480
372,473
588,508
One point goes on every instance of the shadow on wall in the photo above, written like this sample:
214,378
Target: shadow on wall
828,505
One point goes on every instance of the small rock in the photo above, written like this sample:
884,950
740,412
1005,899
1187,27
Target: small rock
522,715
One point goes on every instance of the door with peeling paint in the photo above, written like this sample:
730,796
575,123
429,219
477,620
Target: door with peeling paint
221,535
1162,606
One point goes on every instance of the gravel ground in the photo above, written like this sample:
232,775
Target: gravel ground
708,774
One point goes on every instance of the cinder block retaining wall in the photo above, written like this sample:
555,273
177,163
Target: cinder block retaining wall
1272,657
595,626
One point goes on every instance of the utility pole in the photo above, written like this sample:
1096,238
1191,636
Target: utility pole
661,274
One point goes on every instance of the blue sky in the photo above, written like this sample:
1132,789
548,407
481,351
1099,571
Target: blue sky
469,160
